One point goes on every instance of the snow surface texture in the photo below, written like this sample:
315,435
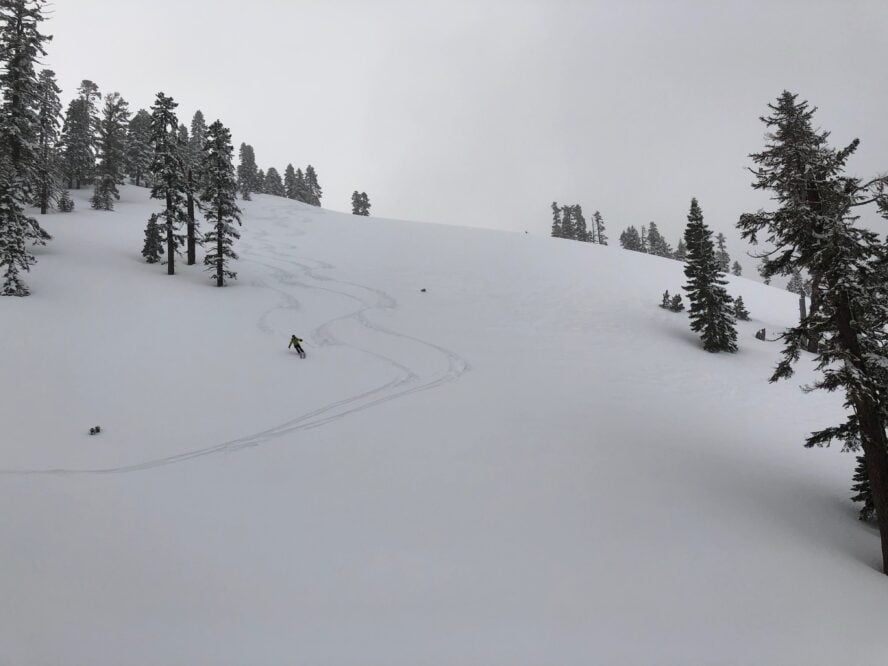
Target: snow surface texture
530,463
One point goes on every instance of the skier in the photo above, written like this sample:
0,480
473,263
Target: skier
294,342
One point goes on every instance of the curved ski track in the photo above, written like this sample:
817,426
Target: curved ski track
285,271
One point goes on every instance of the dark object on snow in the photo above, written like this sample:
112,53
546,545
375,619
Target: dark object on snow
95,430
422,290
295,343
760,335
673,303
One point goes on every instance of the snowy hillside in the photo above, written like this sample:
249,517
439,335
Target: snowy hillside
529,463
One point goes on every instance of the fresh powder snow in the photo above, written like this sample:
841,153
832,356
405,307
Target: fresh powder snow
529,462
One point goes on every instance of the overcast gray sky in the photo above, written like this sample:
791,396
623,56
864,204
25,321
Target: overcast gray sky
481,113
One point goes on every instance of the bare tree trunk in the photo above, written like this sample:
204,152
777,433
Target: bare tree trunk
171,242
191,239
220,259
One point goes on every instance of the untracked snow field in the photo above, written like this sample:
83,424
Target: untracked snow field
530,463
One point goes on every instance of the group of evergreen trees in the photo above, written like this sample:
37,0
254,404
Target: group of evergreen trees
651,241
360,203
569,222
295,184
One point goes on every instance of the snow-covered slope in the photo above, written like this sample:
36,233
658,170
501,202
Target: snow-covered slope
529,463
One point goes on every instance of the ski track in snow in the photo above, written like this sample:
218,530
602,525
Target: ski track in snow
284,271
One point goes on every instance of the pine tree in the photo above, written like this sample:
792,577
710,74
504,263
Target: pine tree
643,239
796,284
365,204
815,230
631,240
66,204
676,304
313,187
599,229
581,232
247,171
681,251
737,269
152,250
260,185
656,243
273,183
78,156
21,46
568,228
219,199
139,152
763,273
356,203
291,190
302,193
740,311
556,221
721,255
711,307
862,491
195,148
112,152
664,303
168,174
49,112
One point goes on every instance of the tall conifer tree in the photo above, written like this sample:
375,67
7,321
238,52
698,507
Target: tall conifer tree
139,152
49,111
711,309
815,230
21,45
168,175
219,199
112,152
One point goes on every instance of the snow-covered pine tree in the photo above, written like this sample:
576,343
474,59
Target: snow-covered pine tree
189,160
290,189
763,273
681,251
302,193
711,311
721,253
862,491
656,243
601,237
664,303
21,46
168,174
49,113
65,204
152,250
567,223
581,231
139,151
219,199
796,284
260,186
196,143
631,240
273,183
737,269
112,152
814,229
78,156
365,204
312,185
247,171
740,311
356,203
556,221
676,304
88,125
